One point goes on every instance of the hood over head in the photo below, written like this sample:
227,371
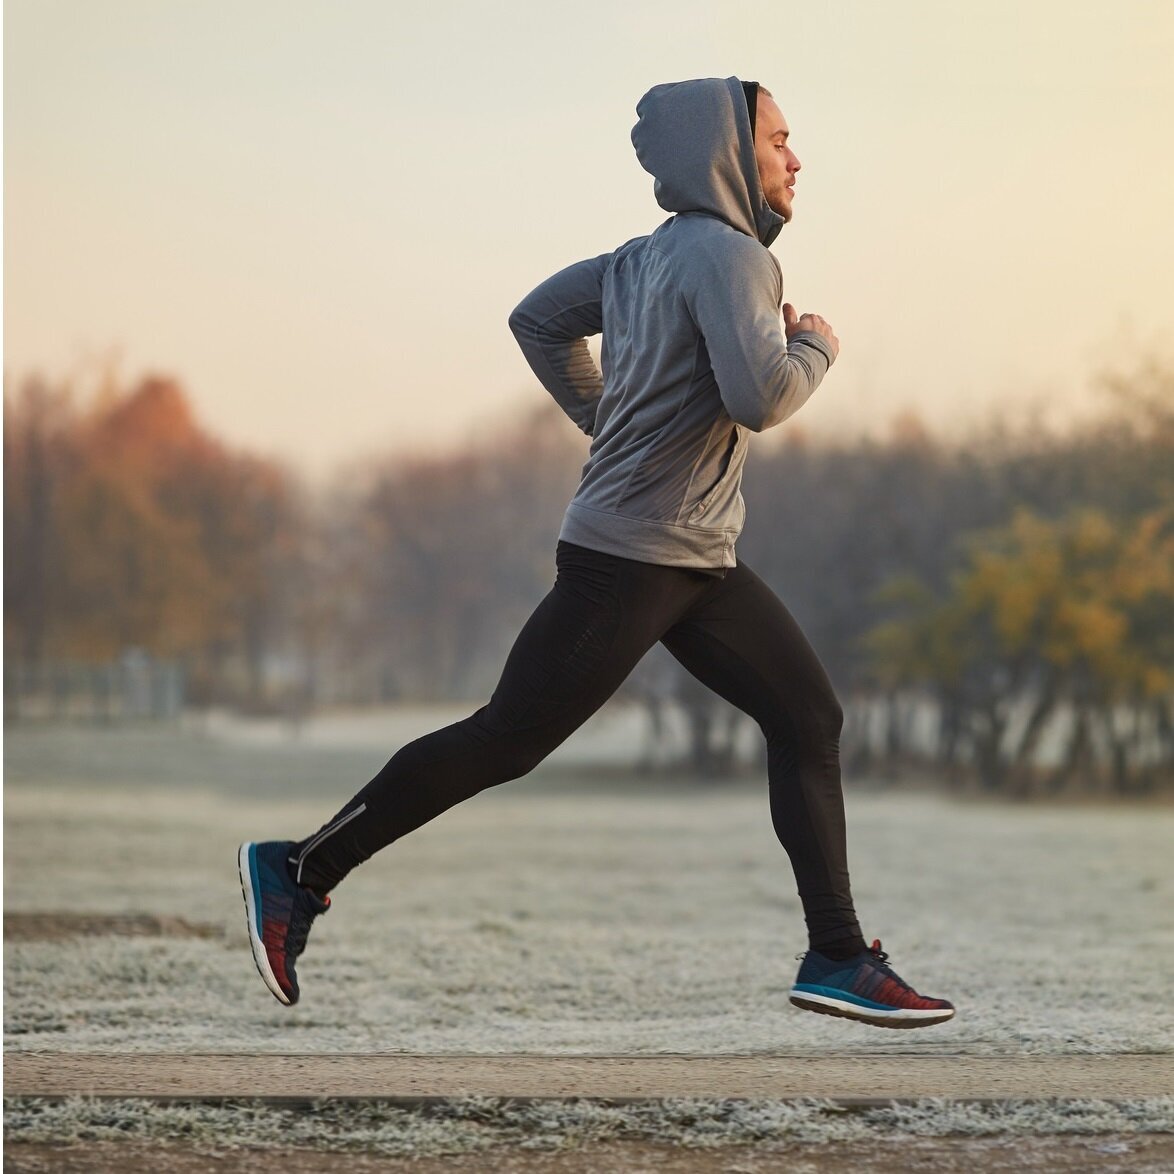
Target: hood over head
695,139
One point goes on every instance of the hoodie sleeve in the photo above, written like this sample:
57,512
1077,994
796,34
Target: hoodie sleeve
552,325
733,288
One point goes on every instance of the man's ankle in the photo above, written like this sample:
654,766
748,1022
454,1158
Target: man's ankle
841,949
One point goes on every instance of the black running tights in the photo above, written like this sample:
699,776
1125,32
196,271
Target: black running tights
603,614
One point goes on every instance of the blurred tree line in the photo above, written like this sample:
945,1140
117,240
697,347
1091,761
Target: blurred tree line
999,608
127,526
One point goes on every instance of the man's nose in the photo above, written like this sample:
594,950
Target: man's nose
795,164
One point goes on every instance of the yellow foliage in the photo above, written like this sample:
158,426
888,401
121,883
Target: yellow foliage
1080,593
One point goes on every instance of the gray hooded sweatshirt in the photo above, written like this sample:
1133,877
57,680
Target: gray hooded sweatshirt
694,355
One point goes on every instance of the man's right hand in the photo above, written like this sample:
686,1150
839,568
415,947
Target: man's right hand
794,323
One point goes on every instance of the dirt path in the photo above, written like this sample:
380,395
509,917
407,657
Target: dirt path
850,1080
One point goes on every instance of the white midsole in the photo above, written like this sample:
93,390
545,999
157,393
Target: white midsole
259,955
875,1013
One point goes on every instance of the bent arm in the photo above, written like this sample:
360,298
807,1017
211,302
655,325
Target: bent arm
552,325
733,294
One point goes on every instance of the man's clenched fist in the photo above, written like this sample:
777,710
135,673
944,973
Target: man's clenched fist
812,322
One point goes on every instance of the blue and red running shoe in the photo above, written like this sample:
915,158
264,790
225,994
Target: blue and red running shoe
866,988
279,914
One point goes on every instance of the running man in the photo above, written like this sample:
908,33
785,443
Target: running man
694,360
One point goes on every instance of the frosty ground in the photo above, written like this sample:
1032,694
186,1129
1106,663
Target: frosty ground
577,911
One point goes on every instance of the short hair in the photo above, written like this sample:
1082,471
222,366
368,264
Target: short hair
753,90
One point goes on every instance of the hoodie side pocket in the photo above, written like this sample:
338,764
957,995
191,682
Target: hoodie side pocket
699,510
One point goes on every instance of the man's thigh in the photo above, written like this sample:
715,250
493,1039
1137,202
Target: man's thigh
743,643
602,615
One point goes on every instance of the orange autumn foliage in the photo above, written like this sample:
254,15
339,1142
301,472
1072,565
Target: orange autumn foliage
134,527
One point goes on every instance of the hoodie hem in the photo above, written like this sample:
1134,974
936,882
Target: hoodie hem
660,543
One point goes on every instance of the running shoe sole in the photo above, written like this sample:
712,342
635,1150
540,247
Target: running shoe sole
876,1016
246,866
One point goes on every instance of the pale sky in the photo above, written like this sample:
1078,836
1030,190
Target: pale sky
318,215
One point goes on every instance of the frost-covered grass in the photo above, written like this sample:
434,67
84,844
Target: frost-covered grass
476,1124
564,914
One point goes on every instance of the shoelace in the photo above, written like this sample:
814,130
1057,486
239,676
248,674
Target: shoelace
879,956
882,960
875,950
300,919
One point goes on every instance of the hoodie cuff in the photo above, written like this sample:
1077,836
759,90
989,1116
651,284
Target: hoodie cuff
818,341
